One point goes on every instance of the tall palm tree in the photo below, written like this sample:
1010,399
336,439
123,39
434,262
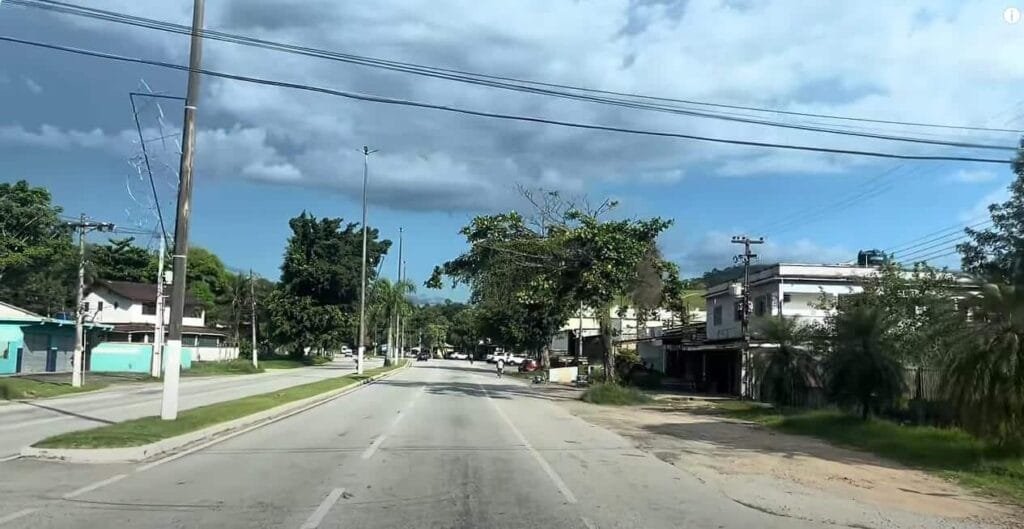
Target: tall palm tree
785,372
860,369
389,299
984,372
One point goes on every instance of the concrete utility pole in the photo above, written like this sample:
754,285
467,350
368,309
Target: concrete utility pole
252,298
362,288
398,317
83,226
156,369
579,338
169,404
401,344
745,258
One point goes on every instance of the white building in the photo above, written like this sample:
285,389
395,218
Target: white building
131,309
625,326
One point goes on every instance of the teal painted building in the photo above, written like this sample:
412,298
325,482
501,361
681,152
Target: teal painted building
122,357
30,343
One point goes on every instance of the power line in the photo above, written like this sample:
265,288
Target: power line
449,73
955,231
496,115
954,239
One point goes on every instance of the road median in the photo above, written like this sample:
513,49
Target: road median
147,437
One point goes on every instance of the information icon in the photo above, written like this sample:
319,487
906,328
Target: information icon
1011,15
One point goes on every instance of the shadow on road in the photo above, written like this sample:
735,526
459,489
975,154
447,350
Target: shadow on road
66,412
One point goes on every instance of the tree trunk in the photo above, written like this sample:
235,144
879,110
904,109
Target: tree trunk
545,358
605,324
391,346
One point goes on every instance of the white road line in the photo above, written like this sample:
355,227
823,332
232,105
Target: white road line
555,478
588,523
325,506
370,450
9,458
94,486
14,516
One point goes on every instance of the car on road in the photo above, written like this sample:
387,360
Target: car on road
346,351
423,356
493,358
458,356
516,359
528,366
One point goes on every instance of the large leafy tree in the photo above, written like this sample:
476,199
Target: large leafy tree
122,260
787,371
318,296
859,369
984,372
997,252
38,261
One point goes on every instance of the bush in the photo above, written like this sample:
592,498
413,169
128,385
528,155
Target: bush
614,395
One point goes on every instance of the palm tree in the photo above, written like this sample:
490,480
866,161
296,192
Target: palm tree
786,371
984,373
860,369
389,299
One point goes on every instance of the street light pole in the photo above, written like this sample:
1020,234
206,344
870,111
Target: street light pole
362,288
169,403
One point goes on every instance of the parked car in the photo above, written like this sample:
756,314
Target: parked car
423,356
346,351
516,359
528,365
458,356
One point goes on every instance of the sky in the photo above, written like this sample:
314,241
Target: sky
264,154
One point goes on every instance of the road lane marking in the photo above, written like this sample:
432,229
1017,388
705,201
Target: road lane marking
94,486
9,458
14,516
325,506
372,449
555,478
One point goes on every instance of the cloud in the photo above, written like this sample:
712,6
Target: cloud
859,59
714,249
52,137
32,85
973,176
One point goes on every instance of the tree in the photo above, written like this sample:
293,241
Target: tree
786,371
318,296
997,252
984,373
858,368
121,260
38,261
387,300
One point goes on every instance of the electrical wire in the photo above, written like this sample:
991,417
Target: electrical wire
149,169
954,239
957,231
496,115
455,74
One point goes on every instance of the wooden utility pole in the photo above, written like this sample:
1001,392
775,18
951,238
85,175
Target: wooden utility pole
83,226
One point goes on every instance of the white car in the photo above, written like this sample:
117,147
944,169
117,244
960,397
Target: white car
458,356
516,359
346,351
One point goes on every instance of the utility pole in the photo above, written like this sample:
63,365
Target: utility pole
83,226
398,317
362,288
401,344
252,297
745,358
579,338
156,369
169,404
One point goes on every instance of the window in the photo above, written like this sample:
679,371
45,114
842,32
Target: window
149,308
85,306
760,304
115,305
737,311
717,315
786,298
208,341
99,306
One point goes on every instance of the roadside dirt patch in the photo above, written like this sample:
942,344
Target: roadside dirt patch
796,476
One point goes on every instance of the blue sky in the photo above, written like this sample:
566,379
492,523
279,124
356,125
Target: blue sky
265,154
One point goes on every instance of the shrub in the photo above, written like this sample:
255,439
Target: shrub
614,395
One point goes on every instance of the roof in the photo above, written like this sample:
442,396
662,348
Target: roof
149,327
142,292
12,313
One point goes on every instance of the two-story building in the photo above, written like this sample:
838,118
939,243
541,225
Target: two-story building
131,309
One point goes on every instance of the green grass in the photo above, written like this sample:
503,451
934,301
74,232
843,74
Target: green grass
151,429
949,452
12,388
614,395
239,366
288,362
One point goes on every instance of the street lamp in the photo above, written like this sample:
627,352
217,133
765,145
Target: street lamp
362,287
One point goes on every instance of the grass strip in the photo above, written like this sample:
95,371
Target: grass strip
147,430
238,366
12,388
947,452
614,395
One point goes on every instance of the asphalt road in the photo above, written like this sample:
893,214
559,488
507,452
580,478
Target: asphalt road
23,423
441,445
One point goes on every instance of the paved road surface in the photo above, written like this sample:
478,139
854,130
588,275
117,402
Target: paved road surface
23,423
440,445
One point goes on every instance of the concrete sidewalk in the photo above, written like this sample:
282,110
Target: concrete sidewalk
25,422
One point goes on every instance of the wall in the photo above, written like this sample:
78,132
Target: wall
116,357
215,354
10,341
129,311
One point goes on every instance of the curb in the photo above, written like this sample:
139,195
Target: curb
135,454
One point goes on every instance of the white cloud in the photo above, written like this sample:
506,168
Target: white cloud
917,61
49,136
714,249
973,176
32,85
